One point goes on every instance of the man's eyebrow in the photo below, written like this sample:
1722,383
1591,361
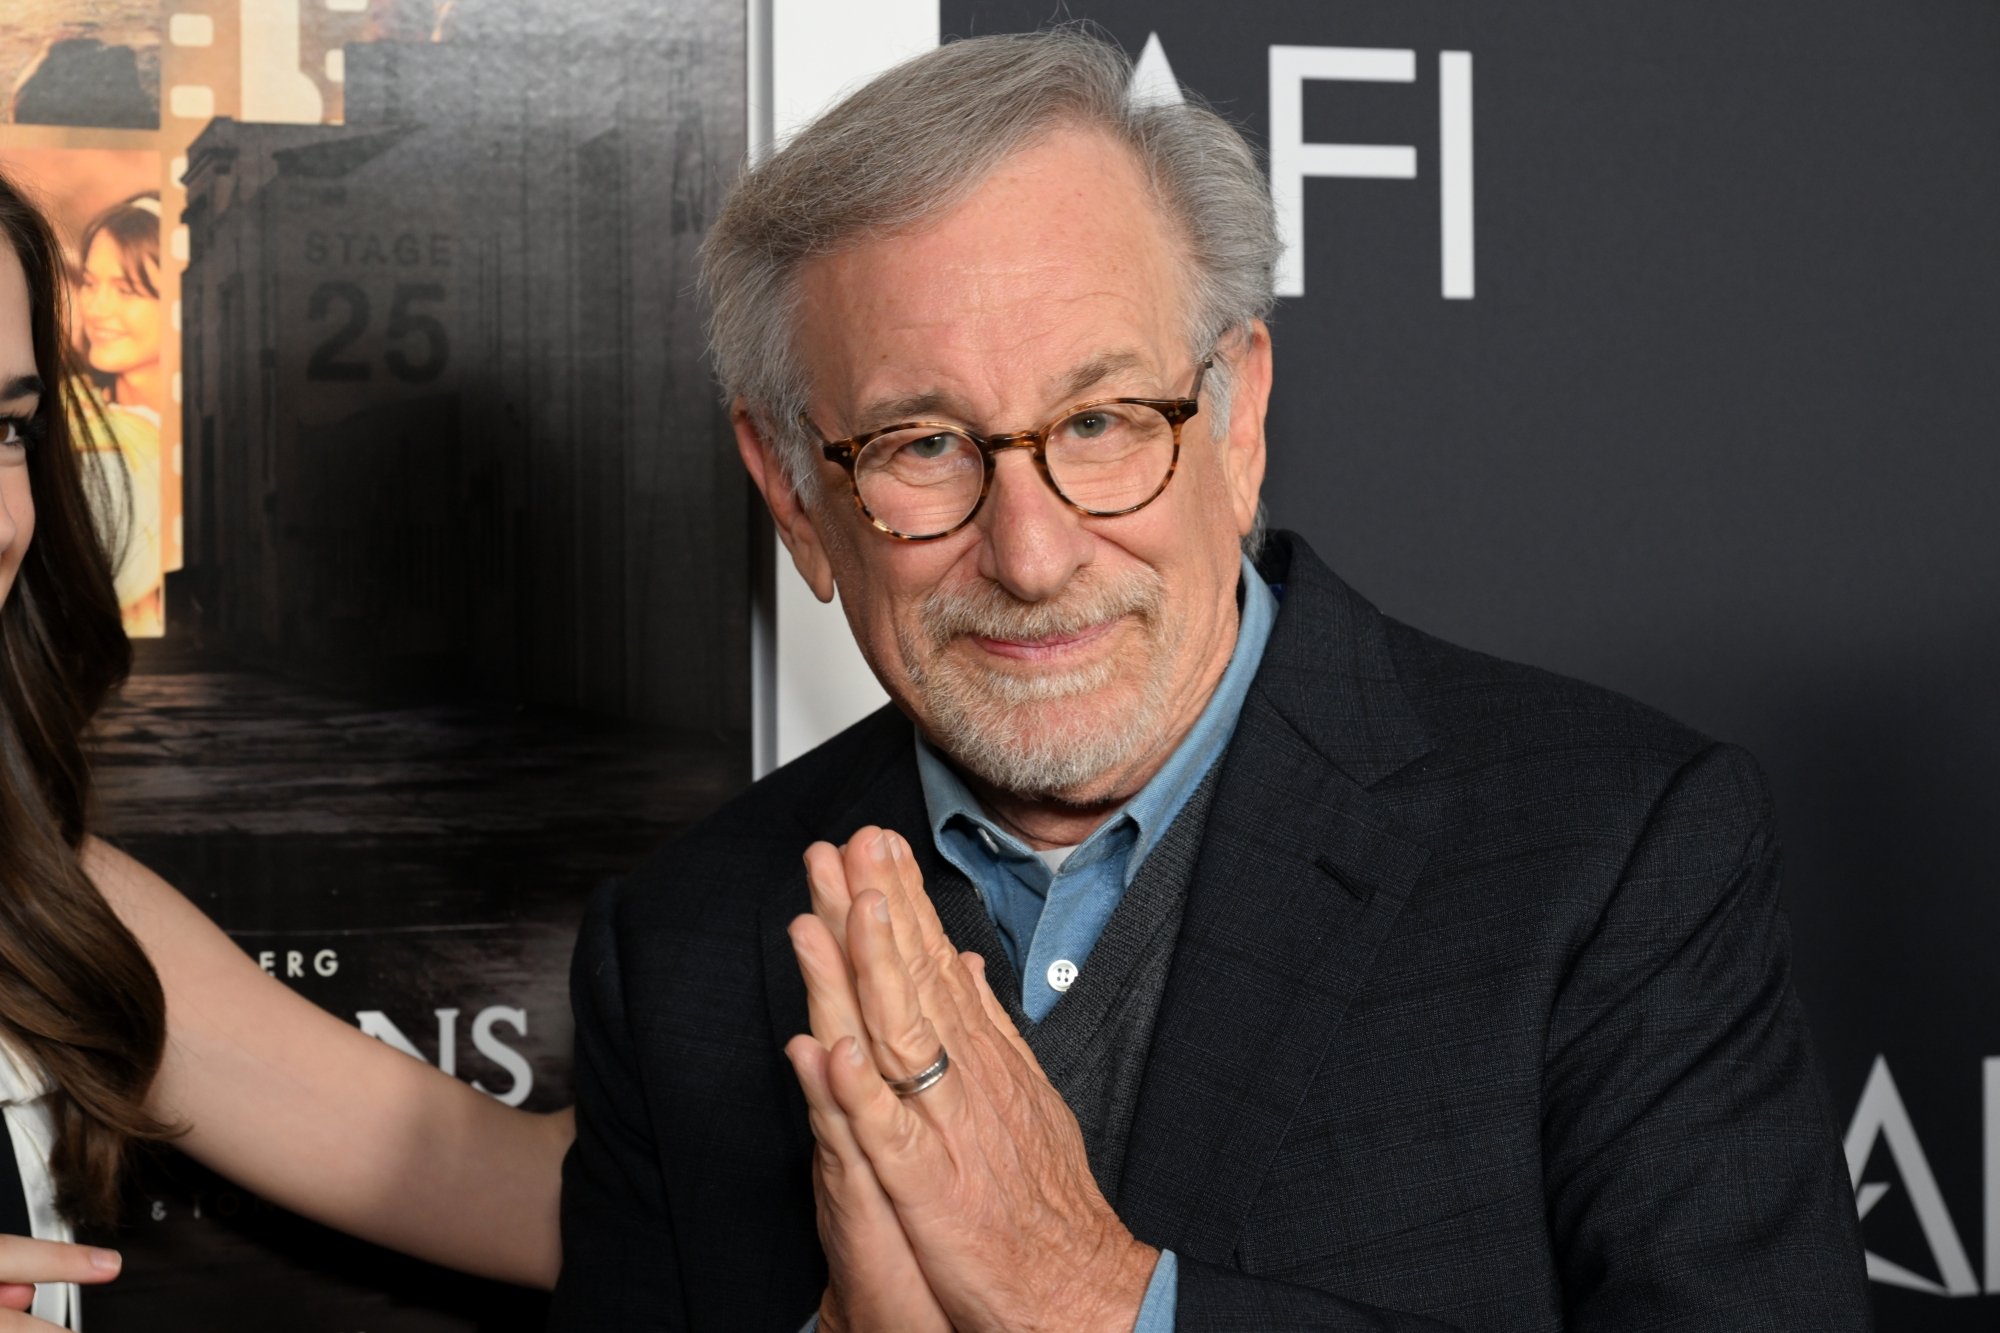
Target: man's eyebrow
22,386
1088,375
906,407
1097,370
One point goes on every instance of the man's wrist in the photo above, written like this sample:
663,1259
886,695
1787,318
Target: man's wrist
1114,1287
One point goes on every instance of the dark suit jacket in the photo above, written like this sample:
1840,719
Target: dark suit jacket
1479,1017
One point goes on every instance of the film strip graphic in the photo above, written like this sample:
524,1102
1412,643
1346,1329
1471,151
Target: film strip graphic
256,61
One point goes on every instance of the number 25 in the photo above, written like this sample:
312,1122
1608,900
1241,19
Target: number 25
433,345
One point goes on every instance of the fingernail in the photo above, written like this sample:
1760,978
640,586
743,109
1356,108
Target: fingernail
895,846
106,1261
881,909
853,1055
881,848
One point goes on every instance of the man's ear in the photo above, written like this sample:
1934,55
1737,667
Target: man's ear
1249,398
794,520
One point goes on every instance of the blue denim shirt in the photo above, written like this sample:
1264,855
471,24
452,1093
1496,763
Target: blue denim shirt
1049,918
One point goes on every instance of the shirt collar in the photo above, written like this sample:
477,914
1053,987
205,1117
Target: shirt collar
1151,810
21,1079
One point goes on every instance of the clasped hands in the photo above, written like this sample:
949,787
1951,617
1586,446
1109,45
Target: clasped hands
969,1205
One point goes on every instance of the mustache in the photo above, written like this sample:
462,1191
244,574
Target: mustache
989,611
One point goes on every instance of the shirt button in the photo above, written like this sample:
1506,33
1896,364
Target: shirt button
1062,975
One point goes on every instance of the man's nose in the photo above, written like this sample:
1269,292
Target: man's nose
1033,541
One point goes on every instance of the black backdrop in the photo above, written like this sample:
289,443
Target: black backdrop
1717,429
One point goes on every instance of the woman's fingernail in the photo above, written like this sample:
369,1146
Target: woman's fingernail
881,909
106,1261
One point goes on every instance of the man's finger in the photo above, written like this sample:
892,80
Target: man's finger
911,894
832,1008
16,1295
870,861
24,1260
829,1122
874,1280
906,1040
841,1165
990,1006
908,1155
881,859
839,1150
826,879
941,979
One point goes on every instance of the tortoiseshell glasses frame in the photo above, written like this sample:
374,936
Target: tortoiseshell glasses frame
847,452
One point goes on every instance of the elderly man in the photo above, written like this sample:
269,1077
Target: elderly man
1239,958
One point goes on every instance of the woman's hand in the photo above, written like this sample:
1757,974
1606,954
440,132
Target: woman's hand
24,1262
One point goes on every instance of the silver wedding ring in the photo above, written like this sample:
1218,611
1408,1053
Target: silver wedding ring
923,1079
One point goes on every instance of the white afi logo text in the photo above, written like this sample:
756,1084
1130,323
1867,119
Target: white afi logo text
1882,1115
1293,159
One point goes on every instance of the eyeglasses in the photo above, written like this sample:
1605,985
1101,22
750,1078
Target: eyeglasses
921,480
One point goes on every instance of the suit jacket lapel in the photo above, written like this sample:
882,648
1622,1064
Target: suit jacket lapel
1302,873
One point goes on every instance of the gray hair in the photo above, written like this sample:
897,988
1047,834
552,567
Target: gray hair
915,141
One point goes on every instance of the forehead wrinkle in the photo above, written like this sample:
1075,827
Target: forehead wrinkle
946,321
1064,388
997,357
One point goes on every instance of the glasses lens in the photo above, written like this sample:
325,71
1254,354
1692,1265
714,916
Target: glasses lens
920,482
1110,457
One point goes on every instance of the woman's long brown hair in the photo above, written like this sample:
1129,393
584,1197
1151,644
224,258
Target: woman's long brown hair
78,996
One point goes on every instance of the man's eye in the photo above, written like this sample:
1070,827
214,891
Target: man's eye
1089,425
930,447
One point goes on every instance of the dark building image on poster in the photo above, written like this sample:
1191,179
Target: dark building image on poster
462,624
1691,392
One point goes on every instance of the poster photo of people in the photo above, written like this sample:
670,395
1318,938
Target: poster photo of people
435,555
105,204
82,118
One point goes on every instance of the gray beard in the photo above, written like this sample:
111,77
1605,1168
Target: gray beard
1010,729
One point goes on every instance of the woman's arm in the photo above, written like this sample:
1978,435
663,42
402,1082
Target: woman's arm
295,1105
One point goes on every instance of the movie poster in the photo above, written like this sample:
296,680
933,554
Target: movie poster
437,554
